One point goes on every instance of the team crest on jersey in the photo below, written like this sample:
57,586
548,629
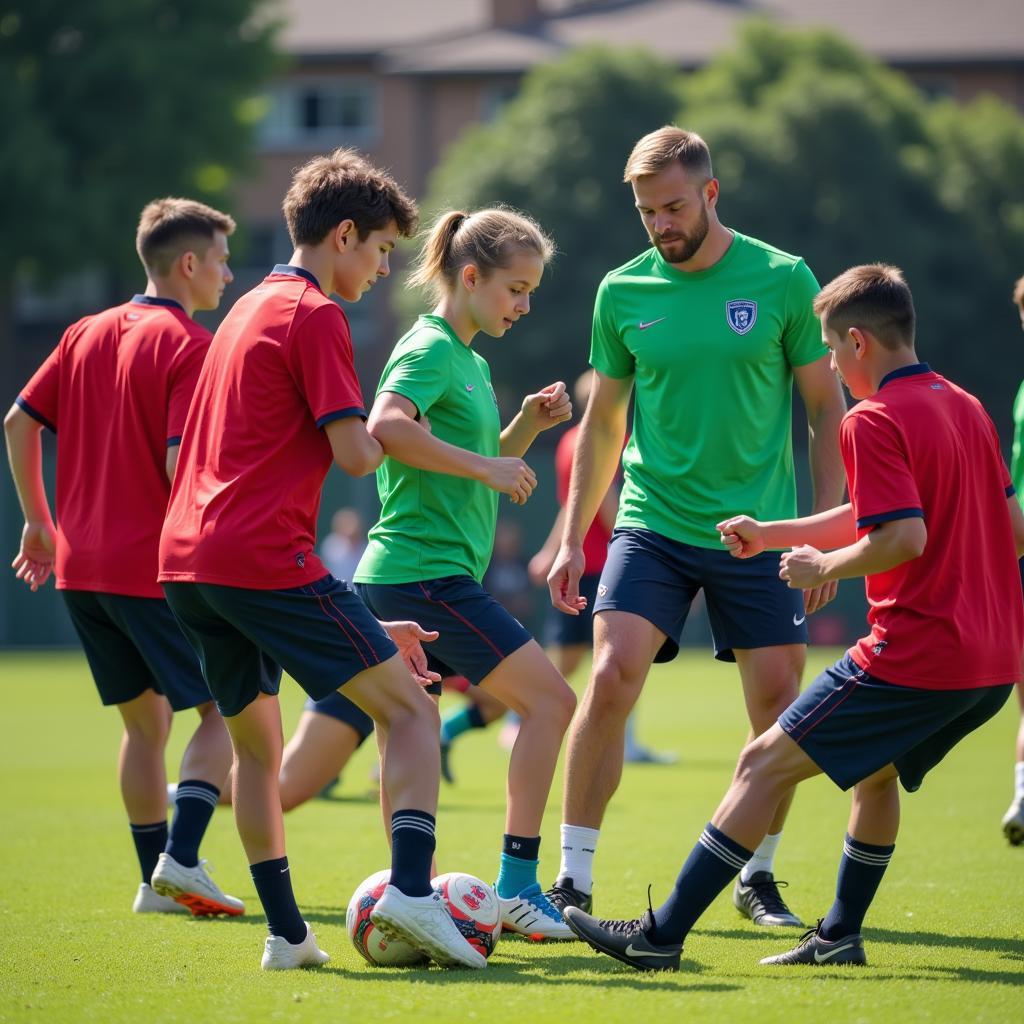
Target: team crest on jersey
741,314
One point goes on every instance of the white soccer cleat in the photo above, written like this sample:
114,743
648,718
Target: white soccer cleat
1013,823
193,888
532,914
281,955
149,902
424,922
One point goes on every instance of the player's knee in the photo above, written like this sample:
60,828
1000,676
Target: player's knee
761,768
562,705
613,688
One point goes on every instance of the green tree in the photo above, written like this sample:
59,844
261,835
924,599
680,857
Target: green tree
557,152
108,103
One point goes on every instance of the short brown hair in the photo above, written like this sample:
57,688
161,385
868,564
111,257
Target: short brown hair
873,297
657,150
344,186
486,238
169,227
1018,292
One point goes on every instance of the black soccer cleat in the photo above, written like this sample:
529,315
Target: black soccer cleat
625,940
563,894
813,949
760,900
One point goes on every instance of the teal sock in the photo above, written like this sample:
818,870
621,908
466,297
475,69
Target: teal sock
515,875
462,721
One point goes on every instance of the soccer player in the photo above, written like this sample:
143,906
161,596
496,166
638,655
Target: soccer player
439,491
116,390
277,401
570,637
934,527
1013,819
710,328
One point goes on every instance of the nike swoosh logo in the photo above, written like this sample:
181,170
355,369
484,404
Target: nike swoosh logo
630,951
800,621
820,958
650,323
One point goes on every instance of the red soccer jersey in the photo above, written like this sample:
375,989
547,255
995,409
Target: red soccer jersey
253,458
116,389
595,542
953,618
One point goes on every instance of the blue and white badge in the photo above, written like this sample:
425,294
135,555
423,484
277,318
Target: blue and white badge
741,314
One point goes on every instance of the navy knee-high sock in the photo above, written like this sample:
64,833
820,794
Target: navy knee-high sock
273,881
193,808
412,847
150,841
860,873
712,864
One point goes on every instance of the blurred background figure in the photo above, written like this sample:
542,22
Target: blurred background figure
342,548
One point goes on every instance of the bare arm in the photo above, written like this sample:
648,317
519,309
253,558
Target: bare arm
354,450
34,561
171,461
886,546
746,537
598,448
823,399
541,411
1017,518
540,564
392,422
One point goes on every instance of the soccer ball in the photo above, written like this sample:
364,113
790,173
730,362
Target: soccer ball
370,942
474,908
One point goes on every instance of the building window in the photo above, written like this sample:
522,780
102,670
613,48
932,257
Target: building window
320,112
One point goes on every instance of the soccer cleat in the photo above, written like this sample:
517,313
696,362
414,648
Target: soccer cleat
625,940
534,915
281,955
446,764
812,949
1013,823
564,894
149,902
759,899
193,888
424,922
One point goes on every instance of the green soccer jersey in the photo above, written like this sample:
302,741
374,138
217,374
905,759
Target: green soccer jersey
1017,455
712,356
432,524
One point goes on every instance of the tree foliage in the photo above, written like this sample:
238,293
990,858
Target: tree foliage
820,150
108,103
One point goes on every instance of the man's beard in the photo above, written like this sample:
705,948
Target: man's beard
684,247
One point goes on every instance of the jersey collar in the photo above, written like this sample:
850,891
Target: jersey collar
287,268
904,371
155,300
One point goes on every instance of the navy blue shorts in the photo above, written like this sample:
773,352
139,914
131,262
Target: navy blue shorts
561,630
851,724
338,706
320,634
477,633
133,644
657,578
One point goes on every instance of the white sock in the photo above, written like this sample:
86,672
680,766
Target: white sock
579,844
1018,781
763,859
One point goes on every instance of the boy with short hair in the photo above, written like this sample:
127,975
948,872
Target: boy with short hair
118,387
277,402
930,500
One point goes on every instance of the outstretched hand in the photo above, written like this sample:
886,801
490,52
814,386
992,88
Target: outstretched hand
34,561
409,638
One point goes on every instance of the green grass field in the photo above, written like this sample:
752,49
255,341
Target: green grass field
944,939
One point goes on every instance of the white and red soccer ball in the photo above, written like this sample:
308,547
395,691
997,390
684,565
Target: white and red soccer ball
474,907
368,939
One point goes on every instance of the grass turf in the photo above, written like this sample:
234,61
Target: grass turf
943,941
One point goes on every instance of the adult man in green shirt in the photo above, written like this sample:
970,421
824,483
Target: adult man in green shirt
710,328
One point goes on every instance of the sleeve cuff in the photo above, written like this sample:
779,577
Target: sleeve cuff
1011,491
37,416
888,517
173,442
340,414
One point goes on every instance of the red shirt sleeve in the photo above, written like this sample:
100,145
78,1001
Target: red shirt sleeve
882,487
40,397
321,361
184,377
